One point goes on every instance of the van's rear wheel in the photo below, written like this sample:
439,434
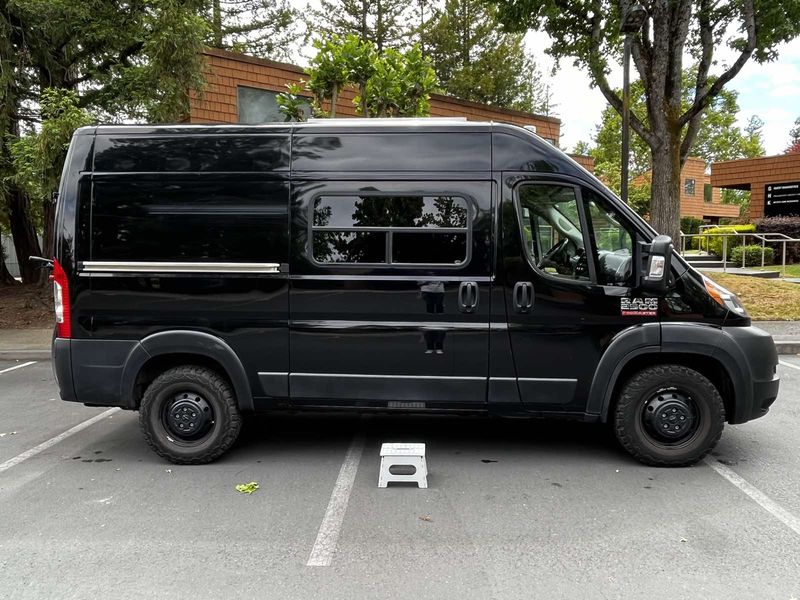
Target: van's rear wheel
189,415
669,416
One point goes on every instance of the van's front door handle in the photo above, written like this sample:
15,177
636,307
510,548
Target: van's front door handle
523,296
468,296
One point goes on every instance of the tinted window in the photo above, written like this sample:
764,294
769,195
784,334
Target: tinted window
612,240
192,153
180,219
551,230
390,229
258,106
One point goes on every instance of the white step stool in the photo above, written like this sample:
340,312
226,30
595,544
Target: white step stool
393,455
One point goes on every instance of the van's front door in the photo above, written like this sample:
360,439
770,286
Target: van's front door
389,296
568,260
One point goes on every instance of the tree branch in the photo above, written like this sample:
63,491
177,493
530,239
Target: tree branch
702,100
105,66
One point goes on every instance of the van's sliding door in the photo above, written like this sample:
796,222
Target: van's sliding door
389,299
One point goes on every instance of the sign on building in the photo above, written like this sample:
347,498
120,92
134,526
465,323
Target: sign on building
781,199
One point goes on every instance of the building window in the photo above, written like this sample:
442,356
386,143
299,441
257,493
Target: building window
257,106
708,192
688,187
390,230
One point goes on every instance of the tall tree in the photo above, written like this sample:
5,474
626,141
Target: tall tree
382,22
265,28
475,60
718,137
588,32
123,59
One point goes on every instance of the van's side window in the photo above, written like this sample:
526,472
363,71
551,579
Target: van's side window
613,241
551,229
391,230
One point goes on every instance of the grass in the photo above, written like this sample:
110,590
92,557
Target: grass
764,299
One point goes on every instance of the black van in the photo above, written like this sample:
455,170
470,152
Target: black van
206,272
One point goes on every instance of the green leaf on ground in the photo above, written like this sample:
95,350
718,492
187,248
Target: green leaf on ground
247,488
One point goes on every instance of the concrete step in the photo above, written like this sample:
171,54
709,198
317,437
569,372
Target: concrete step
693,258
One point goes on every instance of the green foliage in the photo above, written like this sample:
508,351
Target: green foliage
391,83
401,85
714,243
476,60
291,103
383,23
265,28
37,158
751,255
789,226
691,224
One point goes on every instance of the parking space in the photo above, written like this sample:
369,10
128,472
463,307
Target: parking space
515,509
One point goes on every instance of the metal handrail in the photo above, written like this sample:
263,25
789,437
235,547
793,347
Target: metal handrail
764,237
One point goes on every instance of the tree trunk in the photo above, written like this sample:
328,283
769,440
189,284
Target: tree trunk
334,100
24,234
5,275
665,204
216,23
362,92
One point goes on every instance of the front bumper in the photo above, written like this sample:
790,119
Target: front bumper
759,359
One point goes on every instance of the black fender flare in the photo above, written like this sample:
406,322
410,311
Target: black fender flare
625,345
186,342
674,338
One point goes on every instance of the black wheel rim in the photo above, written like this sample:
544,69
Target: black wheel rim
187,416
670,417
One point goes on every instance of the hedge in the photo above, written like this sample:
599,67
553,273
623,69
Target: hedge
691,224
715,243
788,226
752,256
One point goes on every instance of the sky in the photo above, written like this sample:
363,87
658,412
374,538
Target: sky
771,91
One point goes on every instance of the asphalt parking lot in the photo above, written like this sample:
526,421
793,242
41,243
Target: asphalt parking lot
515,509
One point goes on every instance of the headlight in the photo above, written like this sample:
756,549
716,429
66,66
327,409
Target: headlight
724,297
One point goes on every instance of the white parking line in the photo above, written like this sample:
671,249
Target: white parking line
328,535
767,503
12,462
25,364
786,364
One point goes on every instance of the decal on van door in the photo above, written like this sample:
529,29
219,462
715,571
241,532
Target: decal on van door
638,307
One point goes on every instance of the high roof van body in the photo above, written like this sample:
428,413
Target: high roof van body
202,273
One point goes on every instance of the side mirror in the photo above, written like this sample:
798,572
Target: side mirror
657,261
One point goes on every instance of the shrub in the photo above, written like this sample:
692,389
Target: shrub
691,224
786,225
752,255
715,243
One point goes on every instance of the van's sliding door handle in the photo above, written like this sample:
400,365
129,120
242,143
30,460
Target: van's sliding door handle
523,296
468,297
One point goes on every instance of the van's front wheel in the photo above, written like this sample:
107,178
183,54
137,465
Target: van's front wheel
669,416
189,415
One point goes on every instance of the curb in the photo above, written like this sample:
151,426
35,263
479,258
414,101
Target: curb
791,347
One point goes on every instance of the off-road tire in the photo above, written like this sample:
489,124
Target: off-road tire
633,398
217,393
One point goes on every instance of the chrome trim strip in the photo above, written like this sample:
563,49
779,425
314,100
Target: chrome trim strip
96,266
273,372
546,379
409,325
366,376
443,277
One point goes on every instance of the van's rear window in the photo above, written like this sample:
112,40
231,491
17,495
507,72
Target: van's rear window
180,218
